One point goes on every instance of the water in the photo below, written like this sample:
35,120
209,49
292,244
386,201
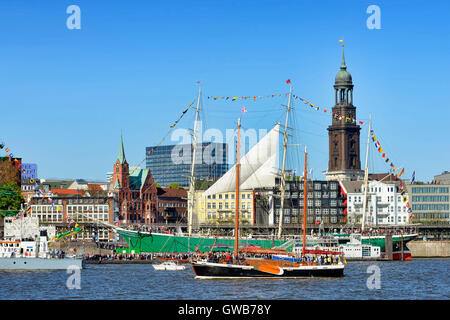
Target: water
415,279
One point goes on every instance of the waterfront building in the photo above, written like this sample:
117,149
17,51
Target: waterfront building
344,144
58,207
172,163
135,192
430,203
220,208
385,204
172,205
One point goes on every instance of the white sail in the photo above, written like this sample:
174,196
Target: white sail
256,170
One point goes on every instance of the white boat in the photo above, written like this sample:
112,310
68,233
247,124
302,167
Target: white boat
355,250
168,265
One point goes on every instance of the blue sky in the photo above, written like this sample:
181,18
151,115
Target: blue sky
65,95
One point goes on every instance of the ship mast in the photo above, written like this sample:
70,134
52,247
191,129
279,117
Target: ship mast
191,192
366,179
283,177
236,226
305,190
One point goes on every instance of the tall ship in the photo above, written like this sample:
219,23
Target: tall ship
245,264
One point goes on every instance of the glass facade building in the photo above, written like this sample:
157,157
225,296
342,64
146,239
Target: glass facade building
172,163
430,203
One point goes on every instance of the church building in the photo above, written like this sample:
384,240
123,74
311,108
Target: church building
135,192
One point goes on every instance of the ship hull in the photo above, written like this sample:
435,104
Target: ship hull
225,271
380,241
146,242
40,264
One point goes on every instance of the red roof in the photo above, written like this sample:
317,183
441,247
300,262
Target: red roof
67,191
94,187
169,192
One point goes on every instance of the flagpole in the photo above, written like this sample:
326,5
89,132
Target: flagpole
366,178
191,192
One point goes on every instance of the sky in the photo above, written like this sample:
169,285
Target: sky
66,95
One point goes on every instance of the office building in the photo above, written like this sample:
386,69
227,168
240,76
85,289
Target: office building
172,163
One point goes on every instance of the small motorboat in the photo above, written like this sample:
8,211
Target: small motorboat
169,265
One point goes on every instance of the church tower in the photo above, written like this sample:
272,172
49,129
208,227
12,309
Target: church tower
344,148
121,174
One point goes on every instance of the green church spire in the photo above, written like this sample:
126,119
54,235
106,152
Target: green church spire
121,155
343,65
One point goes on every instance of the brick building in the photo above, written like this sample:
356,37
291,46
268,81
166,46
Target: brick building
135,192
172,205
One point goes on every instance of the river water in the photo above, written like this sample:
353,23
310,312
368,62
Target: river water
415,279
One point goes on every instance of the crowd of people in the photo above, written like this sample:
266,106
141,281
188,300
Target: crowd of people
380,231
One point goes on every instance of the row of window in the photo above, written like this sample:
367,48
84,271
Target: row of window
378,210
172,204
99,209
228,215
316,194
429,189
227,205
317,211
378,198
314,203
309,220
232,195
430,198
430,207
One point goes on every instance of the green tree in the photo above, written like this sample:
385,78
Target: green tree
10,200
174,185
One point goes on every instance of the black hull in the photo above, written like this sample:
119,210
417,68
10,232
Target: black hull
216,271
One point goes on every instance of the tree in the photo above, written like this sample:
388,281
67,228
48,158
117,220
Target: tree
11,200
174,185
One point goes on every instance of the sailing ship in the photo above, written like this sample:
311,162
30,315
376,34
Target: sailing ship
248,267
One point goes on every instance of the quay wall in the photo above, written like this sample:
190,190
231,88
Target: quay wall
429,249
87,248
